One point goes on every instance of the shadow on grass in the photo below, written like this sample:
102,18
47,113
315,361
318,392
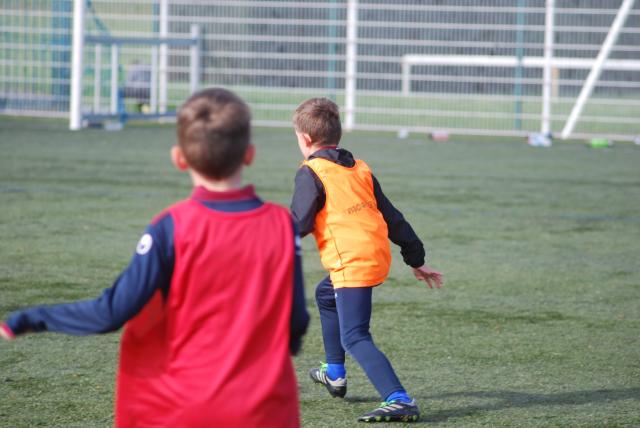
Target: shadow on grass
513,399
371,399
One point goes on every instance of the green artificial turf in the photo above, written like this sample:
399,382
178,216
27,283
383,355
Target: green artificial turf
538,324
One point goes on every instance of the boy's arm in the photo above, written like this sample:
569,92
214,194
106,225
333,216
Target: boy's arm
400,231
299,314
150,269
308,199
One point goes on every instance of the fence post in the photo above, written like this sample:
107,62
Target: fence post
194,66
153,87
97,78
546,76
406,75
351,65
331,51
75,109
517,87
164,54
60,51
114,79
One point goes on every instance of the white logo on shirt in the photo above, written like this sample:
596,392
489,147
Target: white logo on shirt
144,245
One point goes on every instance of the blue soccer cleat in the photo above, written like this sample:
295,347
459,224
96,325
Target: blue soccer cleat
393,411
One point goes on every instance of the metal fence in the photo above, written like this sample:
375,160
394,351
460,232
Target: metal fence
277,53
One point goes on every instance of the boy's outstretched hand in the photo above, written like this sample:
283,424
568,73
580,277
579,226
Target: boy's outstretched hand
428,276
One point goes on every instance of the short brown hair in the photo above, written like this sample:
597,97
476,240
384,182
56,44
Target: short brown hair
320,118
214,131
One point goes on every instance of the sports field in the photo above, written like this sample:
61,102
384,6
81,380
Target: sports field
538,324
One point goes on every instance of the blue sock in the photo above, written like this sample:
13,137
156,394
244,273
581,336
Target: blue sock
335,371
401,396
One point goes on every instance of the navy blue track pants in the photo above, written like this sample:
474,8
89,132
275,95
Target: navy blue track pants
345,314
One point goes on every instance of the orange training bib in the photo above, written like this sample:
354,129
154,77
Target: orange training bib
351,233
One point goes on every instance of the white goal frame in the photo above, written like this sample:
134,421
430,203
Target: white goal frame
408,61
158,50
547,63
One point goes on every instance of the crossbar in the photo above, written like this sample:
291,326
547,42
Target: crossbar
512,61
506,61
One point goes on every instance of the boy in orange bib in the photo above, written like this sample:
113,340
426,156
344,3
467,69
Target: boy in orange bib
339,201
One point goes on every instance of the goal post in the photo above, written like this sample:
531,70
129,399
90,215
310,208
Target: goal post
157,77
598,65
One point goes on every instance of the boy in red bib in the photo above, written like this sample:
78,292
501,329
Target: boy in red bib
339,201
213,294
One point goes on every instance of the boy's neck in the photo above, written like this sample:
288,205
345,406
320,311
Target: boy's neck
233,182
318,148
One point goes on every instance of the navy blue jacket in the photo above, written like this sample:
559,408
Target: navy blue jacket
150,269
309,198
